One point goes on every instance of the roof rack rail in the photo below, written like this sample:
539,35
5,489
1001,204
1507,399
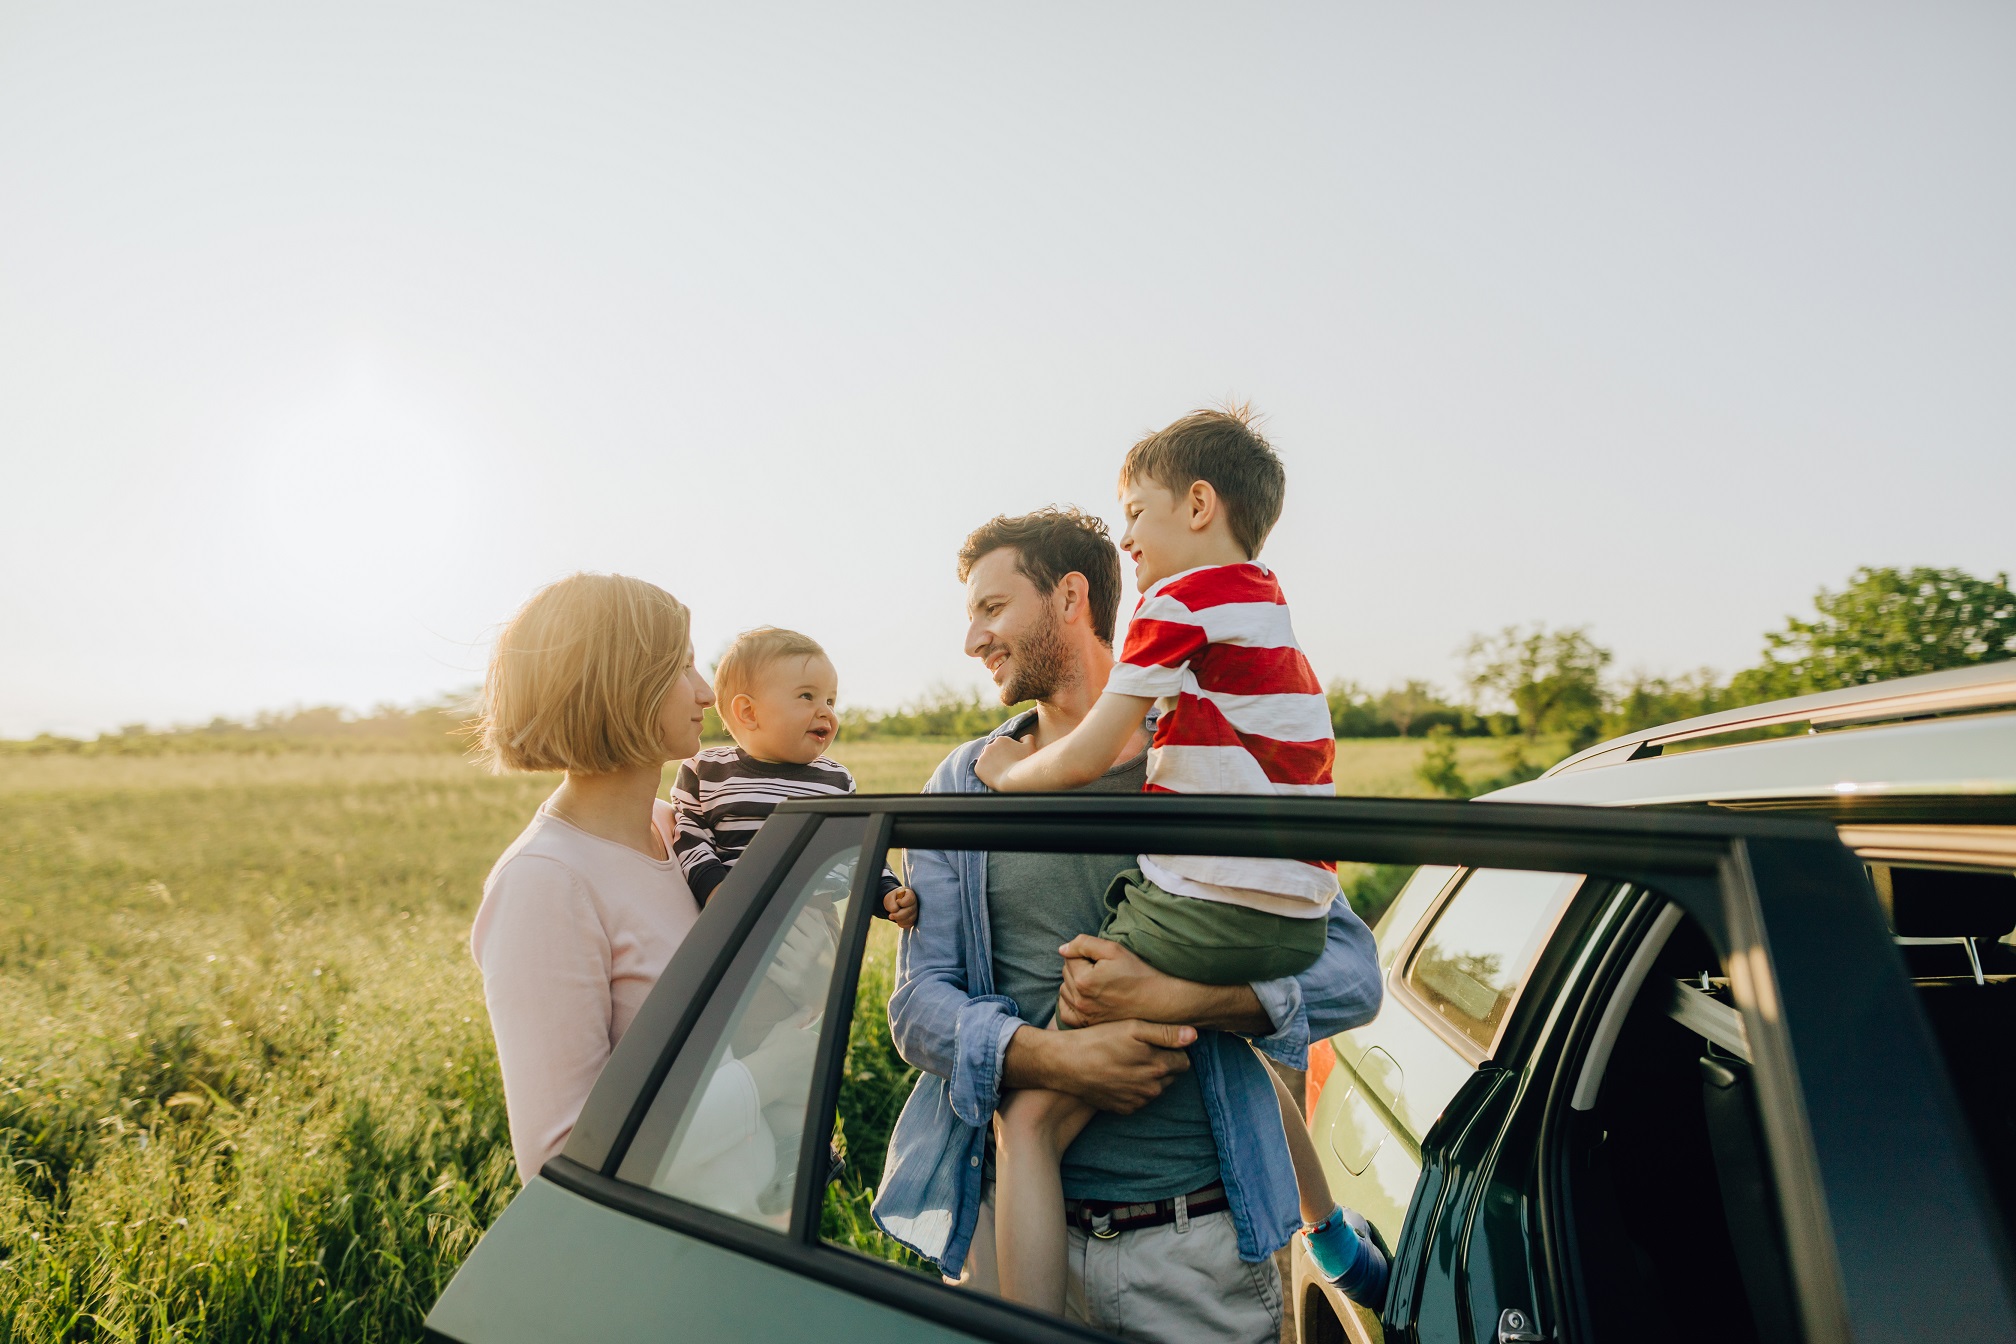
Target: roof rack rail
1962,690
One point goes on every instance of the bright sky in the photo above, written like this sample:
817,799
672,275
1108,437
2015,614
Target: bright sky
328,333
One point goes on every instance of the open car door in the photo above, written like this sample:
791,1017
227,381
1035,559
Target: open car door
686,1207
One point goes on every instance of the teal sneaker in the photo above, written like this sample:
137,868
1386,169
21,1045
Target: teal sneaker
1341,1249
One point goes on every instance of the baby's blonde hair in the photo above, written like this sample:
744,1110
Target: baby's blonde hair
753,652
579,675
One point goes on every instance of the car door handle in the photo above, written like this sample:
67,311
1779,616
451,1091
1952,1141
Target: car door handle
1516,1326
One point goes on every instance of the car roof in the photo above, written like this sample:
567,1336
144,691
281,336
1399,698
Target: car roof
1945,735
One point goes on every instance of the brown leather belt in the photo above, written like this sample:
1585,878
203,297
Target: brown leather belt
1103,1218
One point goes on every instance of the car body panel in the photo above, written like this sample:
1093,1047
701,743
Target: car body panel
1347,1119
1404,1067
558,1266
1981,688
1937,758
1362,1111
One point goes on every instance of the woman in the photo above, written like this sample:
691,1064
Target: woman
594,676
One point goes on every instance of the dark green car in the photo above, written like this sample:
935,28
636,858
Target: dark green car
1855,1203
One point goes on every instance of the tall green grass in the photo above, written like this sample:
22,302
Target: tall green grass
874,1085
247,1085
247,1089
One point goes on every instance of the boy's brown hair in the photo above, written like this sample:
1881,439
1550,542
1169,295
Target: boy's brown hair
1220,447
579,675
1049,544
754,651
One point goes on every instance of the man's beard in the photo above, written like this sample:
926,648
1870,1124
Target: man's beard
1041,665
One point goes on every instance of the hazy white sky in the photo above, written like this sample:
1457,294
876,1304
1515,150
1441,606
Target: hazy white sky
327,334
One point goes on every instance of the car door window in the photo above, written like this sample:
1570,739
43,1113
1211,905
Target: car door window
1466,970
732,1141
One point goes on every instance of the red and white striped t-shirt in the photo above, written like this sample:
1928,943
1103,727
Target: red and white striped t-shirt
1249,717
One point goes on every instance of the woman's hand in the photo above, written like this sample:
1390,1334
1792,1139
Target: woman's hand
998,760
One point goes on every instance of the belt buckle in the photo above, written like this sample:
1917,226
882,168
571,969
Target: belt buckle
1102,1226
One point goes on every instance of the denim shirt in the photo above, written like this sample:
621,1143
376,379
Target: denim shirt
948,1021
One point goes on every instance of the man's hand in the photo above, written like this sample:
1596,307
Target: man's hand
901,907
1000,756
1104,982
1117,1066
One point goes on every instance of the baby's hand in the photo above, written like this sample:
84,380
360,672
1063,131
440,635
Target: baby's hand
901,905
1000,756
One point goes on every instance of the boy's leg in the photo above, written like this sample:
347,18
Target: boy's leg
981,1272
1348,1260
1032,1128
1310,1182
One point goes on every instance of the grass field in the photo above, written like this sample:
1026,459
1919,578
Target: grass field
247,1088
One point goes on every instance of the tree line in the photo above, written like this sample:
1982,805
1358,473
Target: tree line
1539,689
1529,685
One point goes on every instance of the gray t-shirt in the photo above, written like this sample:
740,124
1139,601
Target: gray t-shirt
1035,904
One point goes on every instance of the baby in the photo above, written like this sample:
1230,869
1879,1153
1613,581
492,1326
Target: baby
1242,713
775,691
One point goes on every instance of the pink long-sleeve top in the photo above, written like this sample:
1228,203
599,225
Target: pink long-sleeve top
572,933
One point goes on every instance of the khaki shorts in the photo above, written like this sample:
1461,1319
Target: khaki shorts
1156,1283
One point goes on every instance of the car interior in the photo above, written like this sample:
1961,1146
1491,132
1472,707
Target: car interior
1660,1150
1954,928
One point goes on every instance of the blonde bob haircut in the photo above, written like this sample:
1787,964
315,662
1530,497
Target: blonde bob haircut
579,675
755,652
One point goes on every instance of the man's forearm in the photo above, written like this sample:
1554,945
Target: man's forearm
1230,1008
1031,1059
1027,1063
1119,1066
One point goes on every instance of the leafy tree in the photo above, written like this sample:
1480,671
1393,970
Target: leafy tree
1402,711
1886,623
1352,711
1407,704
1438,769
1646,701
1553,680
942,711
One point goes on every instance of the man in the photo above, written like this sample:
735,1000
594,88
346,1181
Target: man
1194,1162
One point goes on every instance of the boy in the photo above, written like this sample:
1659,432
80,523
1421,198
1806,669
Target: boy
775,691
1243,713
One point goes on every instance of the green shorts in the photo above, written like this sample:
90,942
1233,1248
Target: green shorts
1208,942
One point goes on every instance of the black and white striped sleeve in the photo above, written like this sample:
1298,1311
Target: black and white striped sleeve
693,841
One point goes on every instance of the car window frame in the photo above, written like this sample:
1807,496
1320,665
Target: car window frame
630,1080
1710,864
1398,988
688,1072
761,907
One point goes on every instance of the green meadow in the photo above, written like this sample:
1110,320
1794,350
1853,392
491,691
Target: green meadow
247,1089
